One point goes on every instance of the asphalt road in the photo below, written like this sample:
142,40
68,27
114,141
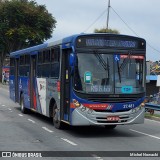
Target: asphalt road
33,132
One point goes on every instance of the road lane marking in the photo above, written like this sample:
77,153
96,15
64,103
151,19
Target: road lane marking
20,115
97,157
45,128
68,141
31,120
3,105
145,134
9,109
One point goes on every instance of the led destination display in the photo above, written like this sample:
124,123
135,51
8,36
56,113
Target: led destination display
101,42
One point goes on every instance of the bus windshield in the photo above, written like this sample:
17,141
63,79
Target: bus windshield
101,73
129,74
94,73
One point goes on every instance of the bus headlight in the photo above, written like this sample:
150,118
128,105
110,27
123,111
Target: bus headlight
90,111
136,109
76,103
83,109
142,104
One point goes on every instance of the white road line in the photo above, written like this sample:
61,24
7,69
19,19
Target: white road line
97,157
3,105
144,134
70,142
31,120
152,120
9,109
45,128
20,115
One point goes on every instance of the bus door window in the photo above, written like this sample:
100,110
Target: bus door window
65,85
55,63
12,78
32,81
16,80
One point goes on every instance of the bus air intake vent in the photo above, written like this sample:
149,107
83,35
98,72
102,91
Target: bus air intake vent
112,99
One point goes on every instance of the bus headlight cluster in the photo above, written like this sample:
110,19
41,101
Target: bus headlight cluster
81,107
136,109
142,104
90,110
76,103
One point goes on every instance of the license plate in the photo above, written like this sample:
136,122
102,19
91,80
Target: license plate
113,118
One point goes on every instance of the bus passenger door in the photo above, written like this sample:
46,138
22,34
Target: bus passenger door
65,86
32,82
16,80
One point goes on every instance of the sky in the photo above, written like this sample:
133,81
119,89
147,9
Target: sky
136,17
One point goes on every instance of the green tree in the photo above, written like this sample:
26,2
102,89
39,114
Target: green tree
105,30
23,23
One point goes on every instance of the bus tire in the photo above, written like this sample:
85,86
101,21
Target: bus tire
57,124
23,109
110,126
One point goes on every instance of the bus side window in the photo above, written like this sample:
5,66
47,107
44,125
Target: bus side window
43,69
52,55
55,70
46,56
55,54
40,54
24,65
12,66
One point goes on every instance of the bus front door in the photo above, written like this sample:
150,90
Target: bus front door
16,80
65,87
32,83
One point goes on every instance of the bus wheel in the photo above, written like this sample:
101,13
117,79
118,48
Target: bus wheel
56,122
110,126
23,109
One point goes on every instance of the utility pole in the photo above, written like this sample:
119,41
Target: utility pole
108,13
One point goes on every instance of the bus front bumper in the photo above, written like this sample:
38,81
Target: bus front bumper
81,117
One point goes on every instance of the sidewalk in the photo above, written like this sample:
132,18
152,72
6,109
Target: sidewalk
6,86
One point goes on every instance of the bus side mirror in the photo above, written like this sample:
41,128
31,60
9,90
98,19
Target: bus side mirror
72,60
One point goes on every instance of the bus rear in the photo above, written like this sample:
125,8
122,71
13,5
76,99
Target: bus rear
107,82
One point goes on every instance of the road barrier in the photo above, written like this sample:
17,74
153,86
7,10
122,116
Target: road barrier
151,107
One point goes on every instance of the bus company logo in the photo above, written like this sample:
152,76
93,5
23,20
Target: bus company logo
110,107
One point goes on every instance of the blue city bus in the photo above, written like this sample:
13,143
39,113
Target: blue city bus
82,80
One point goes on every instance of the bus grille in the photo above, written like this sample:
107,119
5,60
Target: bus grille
112,99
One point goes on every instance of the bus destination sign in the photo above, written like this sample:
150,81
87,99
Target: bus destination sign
94,42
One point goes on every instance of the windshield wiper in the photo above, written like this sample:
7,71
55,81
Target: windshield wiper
123,65
103,63
125,61
119,71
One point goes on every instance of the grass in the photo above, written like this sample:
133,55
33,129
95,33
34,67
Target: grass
148,115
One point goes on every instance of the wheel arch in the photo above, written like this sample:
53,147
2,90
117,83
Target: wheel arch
51,104
20,96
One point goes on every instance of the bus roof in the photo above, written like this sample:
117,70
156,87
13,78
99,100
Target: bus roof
65,42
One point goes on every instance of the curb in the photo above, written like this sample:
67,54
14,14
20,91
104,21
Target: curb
153,118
